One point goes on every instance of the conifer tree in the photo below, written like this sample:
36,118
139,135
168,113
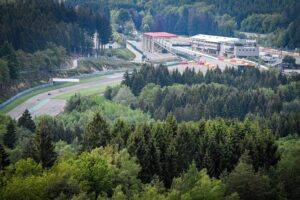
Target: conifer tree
4,161
96,134
9,138
26,121
42,149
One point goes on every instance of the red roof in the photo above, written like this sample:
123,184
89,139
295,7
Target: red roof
160,34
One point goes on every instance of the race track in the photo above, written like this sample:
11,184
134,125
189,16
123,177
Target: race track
44,103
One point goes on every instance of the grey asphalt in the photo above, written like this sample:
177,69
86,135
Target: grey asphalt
138,55
42,104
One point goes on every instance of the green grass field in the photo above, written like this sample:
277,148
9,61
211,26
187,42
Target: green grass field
24,98
86,92
124,54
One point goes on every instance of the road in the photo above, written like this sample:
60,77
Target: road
45,104
138,55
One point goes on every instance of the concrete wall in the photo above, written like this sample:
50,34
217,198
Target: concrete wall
148,43
242,51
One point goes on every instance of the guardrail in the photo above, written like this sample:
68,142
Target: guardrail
27,91
23,93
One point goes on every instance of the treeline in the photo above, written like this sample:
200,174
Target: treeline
29,25
18,66
242,77
216,159
37,37
267,96
188,17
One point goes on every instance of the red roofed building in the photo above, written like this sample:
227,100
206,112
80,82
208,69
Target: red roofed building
150,37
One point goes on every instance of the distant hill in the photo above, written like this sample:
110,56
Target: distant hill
189,17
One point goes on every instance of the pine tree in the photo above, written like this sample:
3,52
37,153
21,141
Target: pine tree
9,138
42,149
26,121
104,30
96,134
9,54
127,80
4,161
142,144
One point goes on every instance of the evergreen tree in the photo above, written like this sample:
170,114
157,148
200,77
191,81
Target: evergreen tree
42,149
104,31
8,53
248,184
120,133
4,73
96,133
142,144
9,138
26,121
4,161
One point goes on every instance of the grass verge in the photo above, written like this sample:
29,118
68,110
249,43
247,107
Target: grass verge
124,54
86,92
24,98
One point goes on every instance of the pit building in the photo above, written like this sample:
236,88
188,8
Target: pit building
225,46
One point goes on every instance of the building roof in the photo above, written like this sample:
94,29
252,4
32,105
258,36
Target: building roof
160,34
213,38
220,39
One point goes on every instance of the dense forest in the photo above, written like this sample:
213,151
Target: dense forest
38,36
29,25
279,18
199,148
160,134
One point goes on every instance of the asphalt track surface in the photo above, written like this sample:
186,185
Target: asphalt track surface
44,103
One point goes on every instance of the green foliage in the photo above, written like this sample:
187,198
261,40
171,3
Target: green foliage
143,146
261,23
288,170
37,23
4,73
79,103
26,121
120,133
247,183
7,53
9,138
94,173
4,161
289,59
123,16
96,133
41,148
232,93
124,54
125,97
196,184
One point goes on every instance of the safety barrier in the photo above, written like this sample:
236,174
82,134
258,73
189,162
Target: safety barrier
20,94
27,91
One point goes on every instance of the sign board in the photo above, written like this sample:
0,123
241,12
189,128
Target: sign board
71,80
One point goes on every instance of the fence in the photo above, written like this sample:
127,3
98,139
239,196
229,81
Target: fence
27,91
23,93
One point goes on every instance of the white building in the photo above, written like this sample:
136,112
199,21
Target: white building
225,46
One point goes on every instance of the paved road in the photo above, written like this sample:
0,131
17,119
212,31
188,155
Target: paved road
138,55
44,104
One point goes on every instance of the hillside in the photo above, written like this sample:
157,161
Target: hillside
220,121
279,18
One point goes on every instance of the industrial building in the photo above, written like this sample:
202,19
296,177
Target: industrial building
149,39
225,46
